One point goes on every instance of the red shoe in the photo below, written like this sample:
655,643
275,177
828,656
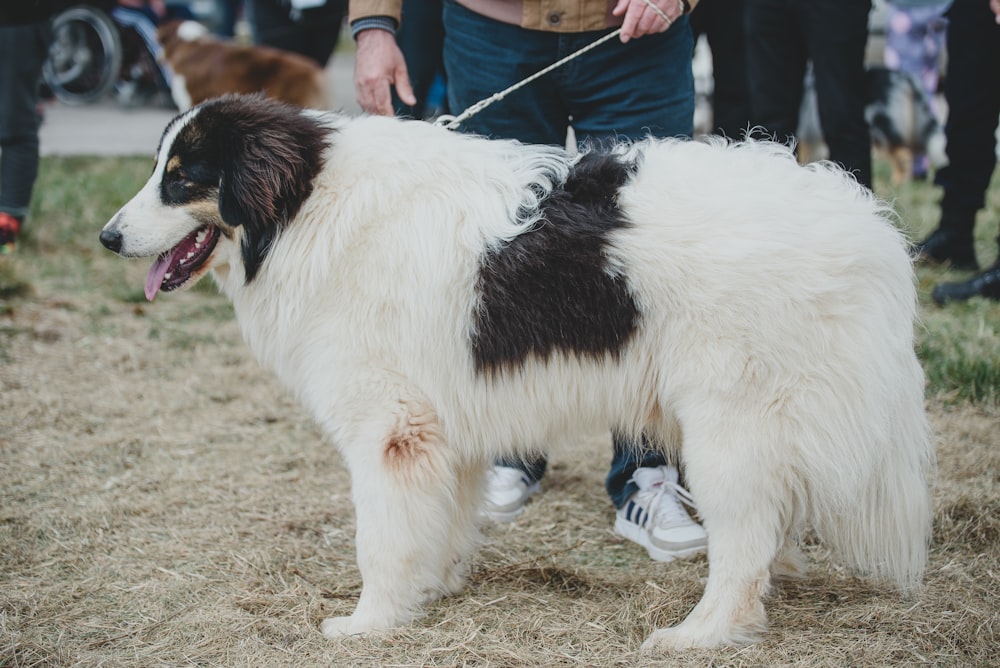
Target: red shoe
9,229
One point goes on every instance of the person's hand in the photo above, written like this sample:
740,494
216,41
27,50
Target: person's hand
378,66
641,19
995,6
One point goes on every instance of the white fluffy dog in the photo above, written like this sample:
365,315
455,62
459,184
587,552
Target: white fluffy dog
436,300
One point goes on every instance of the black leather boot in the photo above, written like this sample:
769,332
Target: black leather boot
985,284
948,245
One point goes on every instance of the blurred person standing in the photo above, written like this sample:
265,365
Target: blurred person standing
25,36
625,88
972,90
308,27
228,16
782,37
722,23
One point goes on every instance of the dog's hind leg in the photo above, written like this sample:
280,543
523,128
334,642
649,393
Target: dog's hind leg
409,524
791,563
742,500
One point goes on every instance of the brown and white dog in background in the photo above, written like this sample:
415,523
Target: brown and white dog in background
205,66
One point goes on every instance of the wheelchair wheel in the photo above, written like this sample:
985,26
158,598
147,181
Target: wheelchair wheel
85,58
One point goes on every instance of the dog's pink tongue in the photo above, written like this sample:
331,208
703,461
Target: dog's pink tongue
156,274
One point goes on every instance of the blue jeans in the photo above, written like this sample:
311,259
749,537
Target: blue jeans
629,90
617,90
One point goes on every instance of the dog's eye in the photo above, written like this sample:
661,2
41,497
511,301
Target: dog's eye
179,187
199,173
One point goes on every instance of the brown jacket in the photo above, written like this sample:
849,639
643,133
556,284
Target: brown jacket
550,15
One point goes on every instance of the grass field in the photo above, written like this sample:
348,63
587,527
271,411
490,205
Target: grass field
164,502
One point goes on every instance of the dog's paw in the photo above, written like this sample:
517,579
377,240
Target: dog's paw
666,640
338,627
689,636
455,576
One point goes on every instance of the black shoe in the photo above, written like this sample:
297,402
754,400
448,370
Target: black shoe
946,246
985,284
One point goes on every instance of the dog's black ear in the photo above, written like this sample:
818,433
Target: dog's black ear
274,152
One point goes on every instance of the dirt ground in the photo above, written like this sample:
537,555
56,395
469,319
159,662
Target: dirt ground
164,502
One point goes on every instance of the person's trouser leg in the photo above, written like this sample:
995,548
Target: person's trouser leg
420,38
972,90
23,50
629,91
625,460
974,107
312,32
836,33
723,24
533,467
776,66
606,91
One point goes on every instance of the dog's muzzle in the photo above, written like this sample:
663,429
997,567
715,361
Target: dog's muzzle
112,239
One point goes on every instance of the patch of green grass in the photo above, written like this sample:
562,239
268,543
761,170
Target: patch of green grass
958,344
960,351
73,198
12,285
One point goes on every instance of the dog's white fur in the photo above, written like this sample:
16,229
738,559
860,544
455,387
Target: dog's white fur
775,350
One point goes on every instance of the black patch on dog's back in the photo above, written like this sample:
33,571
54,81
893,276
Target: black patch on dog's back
550,289
257,156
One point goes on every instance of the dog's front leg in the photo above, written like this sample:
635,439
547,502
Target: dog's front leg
412,529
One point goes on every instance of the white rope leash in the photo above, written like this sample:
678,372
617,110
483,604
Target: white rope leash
450,122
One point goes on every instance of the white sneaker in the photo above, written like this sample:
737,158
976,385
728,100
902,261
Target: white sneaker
507,490
654,517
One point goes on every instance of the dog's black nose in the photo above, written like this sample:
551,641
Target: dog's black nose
112,240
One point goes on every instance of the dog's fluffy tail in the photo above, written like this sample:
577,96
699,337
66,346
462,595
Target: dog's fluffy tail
883,529
871,499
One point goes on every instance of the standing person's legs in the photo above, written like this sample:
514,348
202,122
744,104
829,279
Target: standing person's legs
836,33
634,90
776,65
23,50
609,95
724,26
973,60
973,101
483,57
309,32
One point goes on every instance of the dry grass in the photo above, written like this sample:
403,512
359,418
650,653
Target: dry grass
164,502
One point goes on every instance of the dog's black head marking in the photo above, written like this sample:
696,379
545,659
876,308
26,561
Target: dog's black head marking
551,289
258,157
